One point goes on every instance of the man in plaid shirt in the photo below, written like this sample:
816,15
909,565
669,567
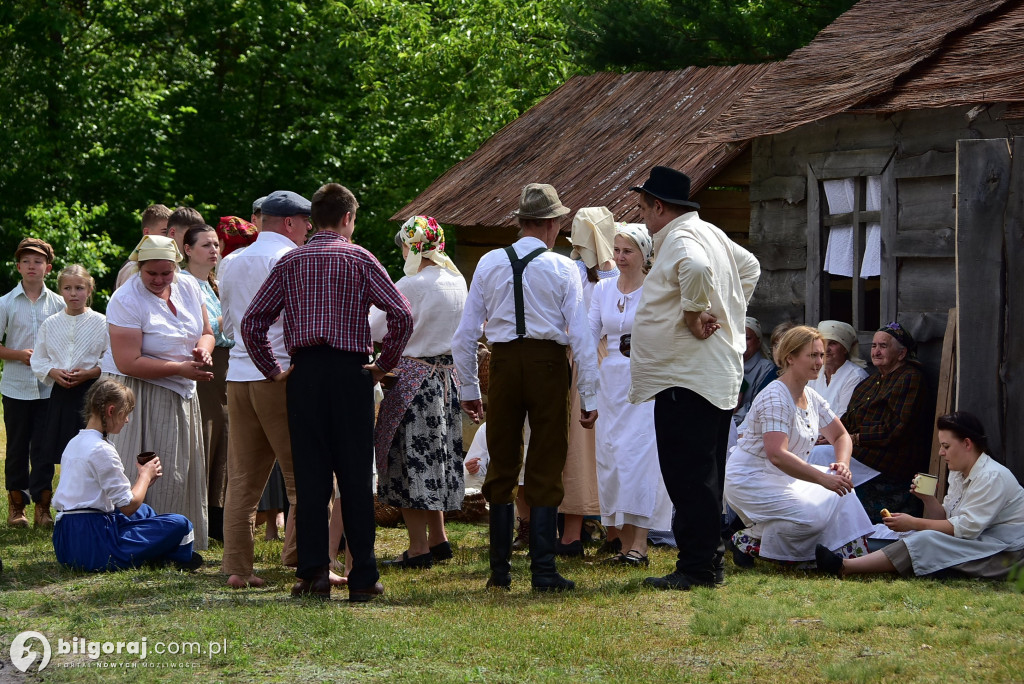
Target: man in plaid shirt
323,290
889,422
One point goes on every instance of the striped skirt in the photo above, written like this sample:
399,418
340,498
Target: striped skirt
171,426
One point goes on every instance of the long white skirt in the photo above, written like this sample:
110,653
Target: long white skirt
789,515
630,486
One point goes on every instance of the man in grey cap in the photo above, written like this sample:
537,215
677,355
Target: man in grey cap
257,409
532,302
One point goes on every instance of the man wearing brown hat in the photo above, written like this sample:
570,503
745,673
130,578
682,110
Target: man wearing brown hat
22,311
687,355
531,300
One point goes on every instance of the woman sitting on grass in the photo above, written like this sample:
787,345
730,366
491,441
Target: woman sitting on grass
102,523
977,530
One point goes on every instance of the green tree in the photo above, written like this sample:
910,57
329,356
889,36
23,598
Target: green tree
672,34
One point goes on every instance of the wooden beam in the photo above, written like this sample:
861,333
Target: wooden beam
889,298
944,401
1011,369
815,254
850,163
982,190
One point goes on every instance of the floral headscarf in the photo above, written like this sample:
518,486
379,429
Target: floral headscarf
425,240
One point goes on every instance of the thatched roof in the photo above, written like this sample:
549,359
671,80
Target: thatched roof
592,139
904,54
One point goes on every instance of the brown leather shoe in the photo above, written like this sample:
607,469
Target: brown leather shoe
319,587
364,595
42,514
16,509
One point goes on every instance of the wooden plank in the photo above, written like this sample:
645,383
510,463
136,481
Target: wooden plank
889,275
850,163
793,189
779,257
982,186
848,218
930,163
926,285
926,203
1011,369
779,221
815,253
944,400
938,243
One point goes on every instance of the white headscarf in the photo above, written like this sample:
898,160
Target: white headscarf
593,230
755,325
637,232
844,334
425,240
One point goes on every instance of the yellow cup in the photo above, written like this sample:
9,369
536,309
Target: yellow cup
926,484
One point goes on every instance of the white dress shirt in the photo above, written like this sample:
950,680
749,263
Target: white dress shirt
553,307
20,319
437,297
165,335
91,476
696,266
838,392
67,342
239,278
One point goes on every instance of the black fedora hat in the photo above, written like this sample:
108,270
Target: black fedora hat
668,185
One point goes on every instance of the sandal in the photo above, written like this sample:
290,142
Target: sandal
617,559
635,558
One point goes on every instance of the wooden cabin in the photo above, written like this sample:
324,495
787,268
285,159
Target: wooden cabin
894,131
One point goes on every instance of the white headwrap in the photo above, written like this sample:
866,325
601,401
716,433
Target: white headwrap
593,230
425,240
637,232
844,334
755,325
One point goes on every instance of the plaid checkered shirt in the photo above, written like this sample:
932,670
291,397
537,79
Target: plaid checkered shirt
324,290
888,413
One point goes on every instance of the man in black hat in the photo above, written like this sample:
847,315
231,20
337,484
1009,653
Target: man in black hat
532,302
687,355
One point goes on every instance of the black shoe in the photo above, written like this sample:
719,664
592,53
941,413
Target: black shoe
612,547
739,559
192,564
719,567
545,577
635,559
828,562
424,561
677,581
318,586
571,550
617,559
441,552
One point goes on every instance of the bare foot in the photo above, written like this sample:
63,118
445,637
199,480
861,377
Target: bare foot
337,580
239,582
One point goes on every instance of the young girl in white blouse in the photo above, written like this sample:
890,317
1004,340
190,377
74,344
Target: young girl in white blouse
102,522
67,354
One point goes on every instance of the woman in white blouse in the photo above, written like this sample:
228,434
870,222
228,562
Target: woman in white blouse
788,504
418,434
977,530
632,493
160,345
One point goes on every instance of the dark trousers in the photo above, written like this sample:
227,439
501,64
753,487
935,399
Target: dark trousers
330,418
528,378
25,422
692,438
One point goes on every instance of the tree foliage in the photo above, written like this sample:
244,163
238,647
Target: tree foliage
672,34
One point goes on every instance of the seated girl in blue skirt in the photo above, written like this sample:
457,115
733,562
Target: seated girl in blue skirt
102,522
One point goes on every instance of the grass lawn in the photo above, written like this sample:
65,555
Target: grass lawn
441,625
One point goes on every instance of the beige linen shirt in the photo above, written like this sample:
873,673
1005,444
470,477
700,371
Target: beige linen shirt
696,268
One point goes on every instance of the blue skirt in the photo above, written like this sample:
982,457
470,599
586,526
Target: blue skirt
98,541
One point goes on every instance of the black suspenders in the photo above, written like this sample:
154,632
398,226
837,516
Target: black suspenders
518,266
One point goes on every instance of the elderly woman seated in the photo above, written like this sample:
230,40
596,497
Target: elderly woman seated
977,530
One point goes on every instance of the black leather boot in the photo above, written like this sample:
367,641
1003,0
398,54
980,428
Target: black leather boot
502,520
543,523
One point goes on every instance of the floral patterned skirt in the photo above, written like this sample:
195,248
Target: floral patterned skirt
750,545
424,463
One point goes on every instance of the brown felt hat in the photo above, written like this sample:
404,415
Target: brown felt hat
540,201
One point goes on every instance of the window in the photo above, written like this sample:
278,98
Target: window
852,268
